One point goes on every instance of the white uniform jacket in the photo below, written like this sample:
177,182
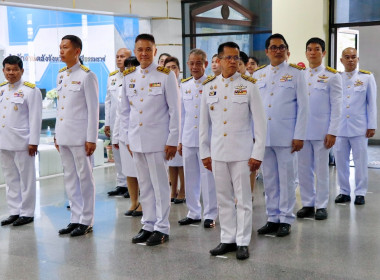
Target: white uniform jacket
284,94
21,111
325,102
78,106
149,110
229,105
114,84
359,111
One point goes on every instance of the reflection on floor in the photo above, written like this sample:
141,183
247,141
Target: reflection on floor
346,246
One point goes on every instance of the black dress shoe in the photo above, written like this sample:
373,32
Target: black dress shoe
306,212
208,223
137,213
22,220
342,198
359,200
118,191
283,230
70,227
172,199
81,230
130,212
179,201
126,195
242,252
9,220
142,236
269,227
321,214
157,238
223,248
188,221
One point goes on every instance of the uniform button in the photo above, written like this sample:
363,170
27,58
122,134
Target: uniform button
140,111
143,76
196,95
4,117
64,96
141,99
269,105
140,124
142,88
269,118
309,93
225,122
271,93
130,103
61,119
65,85
348,96
196,106
225,134
195,126
309,84
196,117
311,75
63,108
348,106
6,98
225,97
272,83
275,72
348,86
225,109
348,116
3,125
5,107
226,85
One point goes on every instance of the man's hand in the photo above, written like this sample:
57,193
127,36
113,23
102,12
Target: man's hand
370,133
329,141
55,144
129,150
116,146
32,150
296,145
90,148
170,152
107,131
254,164
207,163
179,149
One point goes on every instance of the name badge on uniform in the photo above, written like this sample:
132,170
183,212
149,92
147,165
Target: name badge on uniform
131,85
212,93
155,85
358,83
75,82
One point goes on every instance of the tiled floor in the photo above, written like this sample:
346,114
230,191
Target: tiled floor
346,246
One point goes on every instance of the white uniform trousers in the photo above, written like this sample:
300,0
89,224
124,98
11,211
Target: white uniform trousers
198,178
314,159
79,183
20,176
232,181
154,190
358,145
121,179
279,186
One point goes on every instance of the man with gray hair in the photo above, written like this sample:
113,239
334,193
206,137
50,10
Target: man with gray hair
197,177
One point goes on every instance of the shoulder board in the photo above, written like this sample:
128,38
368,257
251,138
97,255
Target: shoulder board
63,69
29,85
364,71
163,70
4,83
248,78
129,70
332,70
209,79
114,73
84,68
187,79
296,66
261,67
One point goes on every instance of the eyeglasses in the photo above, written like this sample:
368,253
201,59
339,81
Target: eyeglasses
281,48
230,57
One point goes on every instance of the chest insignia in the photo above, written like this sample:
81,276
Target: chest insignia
286,78
188,91
133,80
358,83
212,93
75,82
113,82
155,85
18,94
131,85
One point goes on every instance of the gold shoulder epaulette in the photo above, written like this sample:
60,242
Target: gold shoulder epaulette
248,78
261,67
163,70
209,79
63,69
297,66
332,70
114,73
364,71
187,79
29,85
84,68
4,83
129,70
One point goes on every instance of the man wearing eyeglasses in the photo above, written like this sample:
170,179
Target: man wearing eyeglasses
283,90
229,103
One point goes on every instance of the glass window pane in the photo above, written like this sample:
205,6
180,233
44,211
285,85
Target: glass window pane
356,11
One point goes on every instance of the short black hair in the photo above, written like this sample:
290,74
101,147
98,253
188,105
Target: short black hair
316,40
12,59
166,54
215,55
131,61
228,45
244,57
255,59
75,41
275,36
145,36
172,59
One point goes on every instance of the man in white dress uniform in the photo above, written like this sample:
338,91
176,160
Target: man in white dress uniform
230,102
20,128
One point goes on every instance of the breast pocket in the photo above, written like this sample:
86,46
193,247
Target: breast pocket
360,88
187,97
287,85
155,91
240,99
321,87
17,100
74,88
261,85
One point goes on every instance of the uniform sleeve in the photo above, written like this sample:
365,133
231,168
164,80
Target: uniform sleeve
124,111
35,116
115,132
91,92
336,96
204,129
183,114
260,121
302,107
371,103
171,95
107,105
